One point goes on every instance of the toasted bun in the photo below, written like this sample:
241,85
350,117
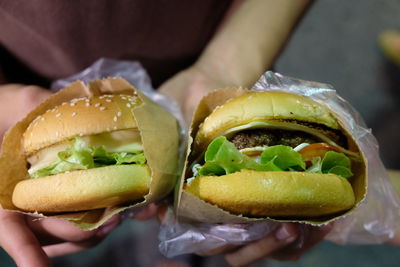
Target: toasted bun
263,107
78,117
275,194
84,189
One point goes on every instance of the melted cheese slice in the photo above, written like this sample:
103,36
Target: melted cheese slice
291,127
117,141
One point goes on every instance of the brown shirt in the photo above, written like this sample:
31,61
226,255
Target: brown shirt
42,40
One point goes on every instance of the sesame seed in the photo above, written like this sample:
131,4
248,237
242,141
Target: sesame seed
115,118
80,134
102,108
108,100
108,129
73,114
87,104
57,134
87,100
42,118
72,104
64,103
31,134
58,115
128,105
115,128
97,105
123,97
119,114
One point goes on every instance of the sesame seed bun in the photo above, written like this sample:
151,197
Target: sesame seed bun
83,189
79,117
288,194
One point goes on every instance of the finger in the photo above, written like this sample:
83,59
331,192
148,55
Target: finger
71,247
55,230
396,239
161,212
146,213
19,241
220,250
312,235
262,248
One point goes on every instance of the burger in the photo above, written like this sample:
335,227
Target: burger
84,154
274,154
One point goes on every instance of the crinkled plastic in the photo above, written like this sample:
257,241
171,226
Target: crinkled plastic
373,222
132,71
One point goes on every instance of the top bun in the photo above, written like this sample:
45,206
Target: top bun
79,117
263,107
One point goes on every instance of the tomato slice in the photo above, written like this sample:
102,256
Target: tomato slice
316,150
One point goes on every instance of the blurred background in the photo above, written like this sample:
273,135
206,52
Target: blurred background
335,43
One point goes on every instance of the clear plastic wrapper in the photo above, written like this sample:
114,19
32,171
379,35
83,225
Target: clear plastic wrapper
132,71
373,222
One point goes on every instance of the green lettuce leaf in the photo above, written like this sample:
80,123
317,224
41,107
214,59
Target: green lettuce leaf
222,157
333,162
81,156
283,157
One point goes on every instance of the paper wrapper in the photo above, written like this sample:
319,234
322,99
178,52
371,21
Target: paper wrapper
192,208
159,133
373,220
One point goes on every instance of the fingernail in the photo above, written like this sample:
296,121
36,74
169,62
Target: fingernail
282,233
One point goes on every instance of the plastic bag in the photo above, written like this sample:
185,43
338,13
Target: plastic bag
133,72
373,222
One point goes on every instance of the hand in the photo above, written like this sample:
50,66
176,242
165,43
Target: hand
189,86
287,243
30,241
16,100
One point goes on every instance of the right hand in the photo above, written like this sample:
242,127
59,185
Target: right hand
189,86
29,241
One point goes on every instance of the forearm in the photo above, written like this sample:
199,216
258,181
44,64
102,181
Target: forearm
250,40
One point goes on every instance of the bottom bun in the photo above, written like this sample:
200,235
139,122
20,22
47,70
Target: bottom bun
275,194
83,189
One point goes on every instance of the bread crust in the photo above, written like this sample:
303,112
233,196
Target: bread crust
83,189
275,194
263,107
285,194
79,117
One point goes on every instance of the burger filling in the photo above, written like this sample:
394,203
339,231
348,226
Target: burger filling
87,152
264,149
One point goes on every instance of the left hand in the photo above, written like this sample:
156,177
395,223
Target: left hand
189,86
17,100
282,244
288,242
